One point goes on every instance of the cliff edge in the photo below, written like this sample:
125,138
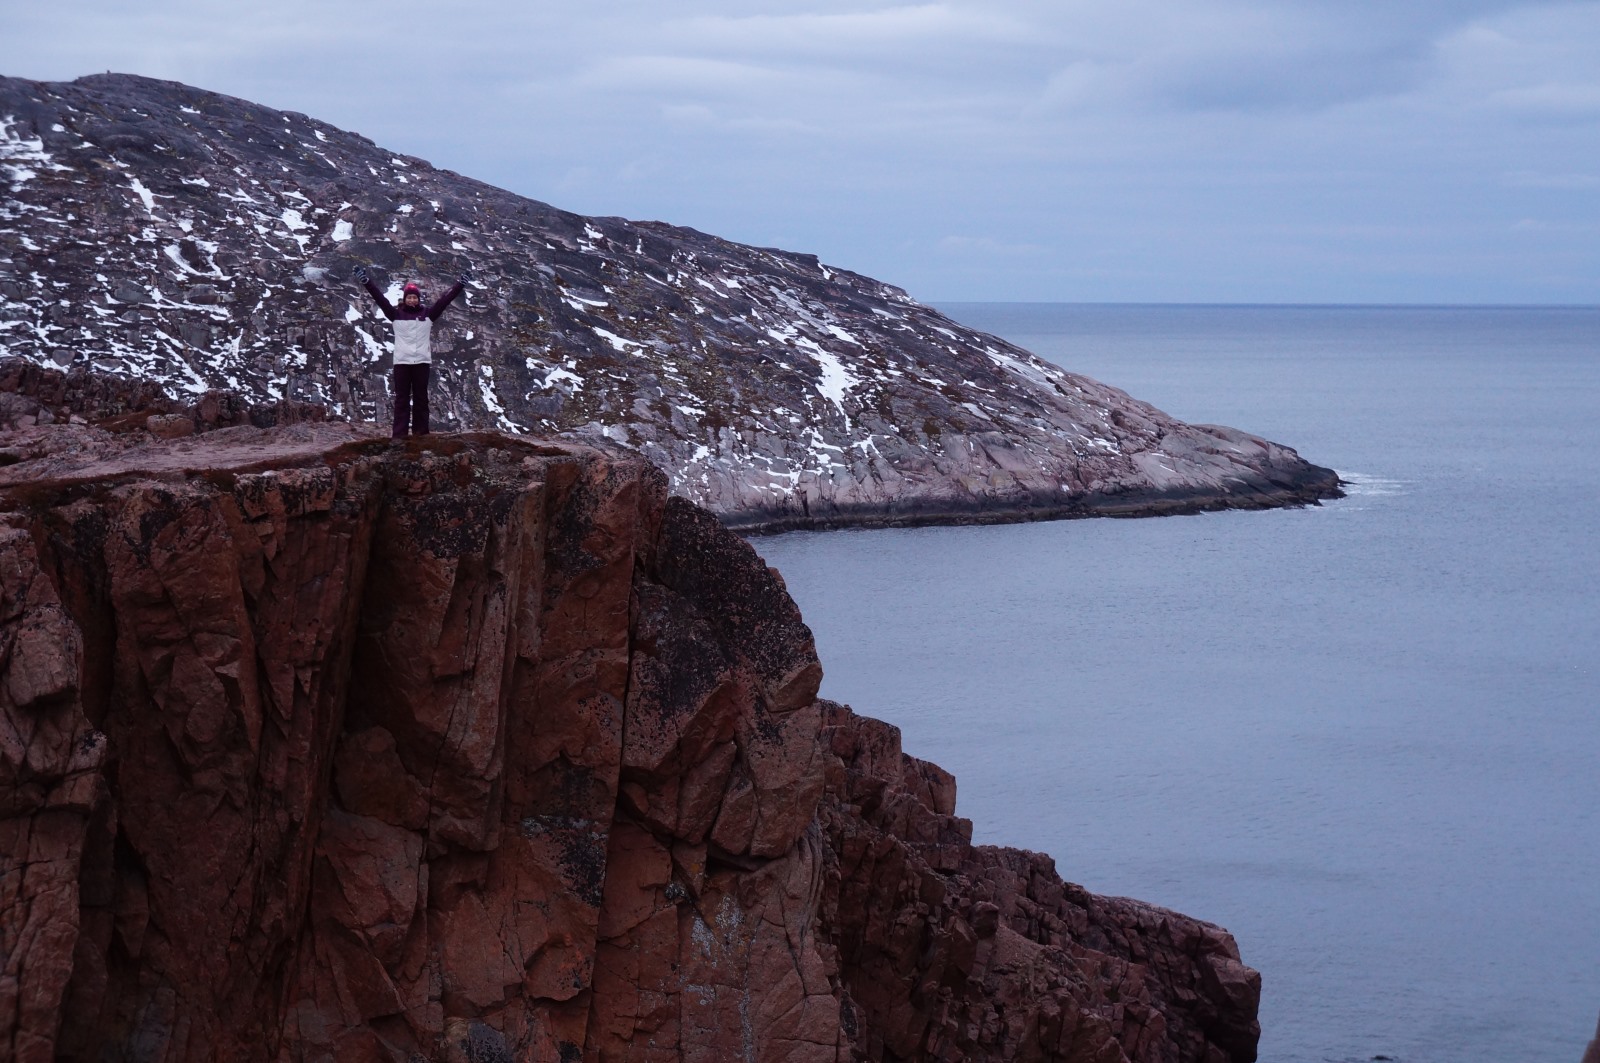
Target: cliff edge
197,241
482,748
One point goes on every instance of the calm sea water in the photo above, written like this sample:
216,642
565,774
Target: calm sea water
1364,737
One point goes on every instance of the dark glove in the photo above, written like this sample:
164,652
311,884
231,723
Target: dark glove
361,275
462,280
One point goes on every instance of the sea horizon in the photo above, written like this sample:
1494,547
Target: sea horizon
1358,735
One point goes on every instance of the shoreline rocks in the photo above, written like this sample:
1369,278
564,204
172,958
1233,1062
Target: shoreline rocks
195,242
316,746
32,394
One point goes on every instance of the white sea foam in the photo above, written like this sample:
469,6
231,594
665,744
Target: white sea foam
1363,485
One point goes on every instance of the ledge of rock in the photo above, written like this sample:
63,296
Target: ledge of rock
195,241
318,747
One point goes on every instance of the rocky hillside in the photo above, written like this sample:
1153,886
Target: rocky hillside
318,747
199,241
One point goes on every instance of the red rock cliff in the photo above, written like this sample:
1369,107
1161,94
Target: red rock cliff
313,748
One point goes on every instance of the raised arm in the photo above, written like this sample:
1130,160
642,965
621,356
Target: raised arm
445,300
377,296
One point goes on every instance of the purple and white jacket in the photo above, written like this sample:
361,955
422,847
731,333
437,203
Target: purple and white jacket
413,329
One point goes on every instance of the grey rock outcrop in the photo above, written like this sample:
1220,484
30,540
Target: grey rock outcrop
197,241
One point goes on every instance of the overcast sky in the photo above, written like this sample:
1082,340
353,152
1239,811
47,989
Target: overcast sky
1075,150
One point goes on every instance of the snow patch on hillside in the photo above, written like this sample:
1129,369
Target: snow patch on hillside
21,157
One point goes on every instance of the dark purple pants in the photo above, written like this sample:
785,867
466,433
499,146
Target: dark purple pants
411,400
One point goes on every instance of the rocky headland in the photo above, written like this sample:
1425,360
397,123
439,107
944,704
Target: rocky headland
484,748
196,241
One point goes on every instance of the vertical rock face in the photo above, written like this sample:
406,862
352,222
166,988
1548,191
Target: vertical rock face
946,951
313,748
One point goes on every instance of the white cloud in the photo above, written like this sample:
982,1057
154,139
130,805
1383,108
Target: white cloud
667,73
1576,182
988,245
1076,148
1551,98
900,32
1540,58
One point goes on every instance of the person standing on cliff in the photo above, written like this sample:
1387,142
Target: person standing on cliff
413,349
